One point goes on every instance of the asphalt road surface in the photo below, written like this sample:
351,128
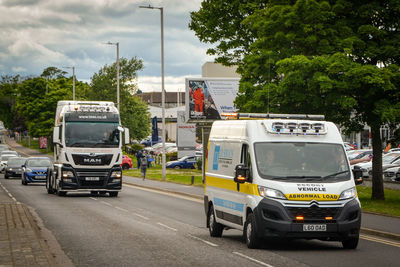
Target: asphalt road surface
149,228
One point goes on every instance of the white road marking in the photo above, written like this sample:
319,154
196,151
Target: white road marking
93,198
252,259
108,204
202,240
8,193
166,226
141,216
118,208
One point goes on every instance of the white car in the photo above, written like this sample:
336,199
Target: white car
3,160
388,160
392,174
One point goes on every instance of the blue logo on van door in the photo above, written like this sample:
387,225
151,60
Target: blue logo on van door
216,157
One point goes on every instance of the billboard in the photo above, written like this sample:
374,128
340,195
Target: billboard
207,98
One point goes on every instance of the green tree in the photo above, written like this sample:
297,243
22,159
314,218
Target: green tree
134,112
315,57
8,91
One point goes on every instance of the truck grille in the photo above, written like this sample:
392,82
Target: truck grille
98,160
313,213
100,183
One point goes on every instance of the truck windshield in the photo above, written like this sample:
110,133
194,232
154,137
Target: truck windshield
302,162
91,134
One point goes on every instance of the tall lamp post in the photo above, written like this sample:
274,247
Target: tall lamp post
73,81
117,44
162,87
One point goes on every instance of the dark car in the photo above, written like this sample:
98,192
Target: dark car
188,162
35,170
14,167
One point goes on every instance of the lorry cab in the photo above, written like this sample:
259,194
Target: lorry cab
281,177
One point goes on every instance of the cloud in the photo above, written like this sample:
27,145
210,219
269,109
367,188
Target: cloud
72,33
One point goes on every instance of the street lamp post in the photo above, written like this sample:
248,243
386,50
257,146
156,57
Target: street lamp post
117,44
73,81
162,87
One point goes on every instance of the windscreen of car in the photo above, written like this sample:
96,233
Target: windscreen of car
6,157
38,163
389,158
16,162
92,134
299,162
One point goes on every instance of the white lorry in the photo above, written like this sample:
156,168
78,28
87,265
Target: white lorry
87,140
284,176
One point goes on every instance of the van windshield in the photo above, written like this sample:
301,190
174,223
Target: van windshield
302,161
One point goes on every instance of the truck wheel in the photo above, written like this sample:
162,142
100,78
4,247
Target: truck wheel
61,193
125,166
215,228
350,243
5,176
249,233
113,194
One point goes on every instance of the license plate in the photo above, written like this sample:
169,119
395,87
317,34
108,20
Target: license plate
92,178
314,227
40,177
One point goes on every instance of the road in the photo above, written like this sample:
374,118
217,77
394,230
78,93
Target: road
148,228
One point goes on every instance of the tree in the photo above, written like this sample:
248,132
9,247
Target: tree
8,91
134,112
53,73
316,57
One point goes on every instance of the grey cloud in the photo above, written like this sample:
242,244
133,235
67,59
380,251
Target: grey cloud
12,3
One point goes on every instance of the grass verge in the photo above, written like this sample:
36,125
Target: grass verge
34,145
389,206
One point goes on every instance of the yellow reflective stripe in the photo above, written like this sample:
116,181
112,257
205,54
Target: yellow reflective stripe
311,196
229,184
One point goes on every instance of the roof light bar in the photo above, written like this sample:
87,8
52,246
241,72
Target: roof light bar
272,116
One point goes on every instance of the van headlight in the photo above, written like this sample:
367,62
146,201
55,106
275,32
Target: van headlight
349,193
269,192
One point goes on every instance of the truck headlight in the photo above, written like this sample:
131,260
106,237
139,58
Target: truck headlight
349,193
66,174
116,174
269,192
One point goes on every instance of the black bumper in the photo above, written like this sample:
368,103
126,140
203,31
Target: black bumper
80,182
275,220
13,173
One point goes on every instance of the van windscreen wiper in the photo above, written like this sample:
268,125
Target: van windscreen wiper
305,177
334,174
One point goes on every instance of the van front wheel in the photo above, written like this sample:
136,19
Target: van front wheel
351,243
214,227
249,232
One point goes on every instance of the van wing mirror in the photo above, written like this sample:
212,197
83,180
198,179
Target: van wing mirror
242,174
357,173
56,135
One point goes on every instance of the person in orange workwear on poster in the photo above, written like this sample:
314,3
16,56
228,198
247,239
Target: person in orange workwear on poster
198,97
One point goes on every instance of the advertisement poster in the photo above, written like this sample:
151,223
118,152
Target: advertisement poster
42,142
207,98
186,136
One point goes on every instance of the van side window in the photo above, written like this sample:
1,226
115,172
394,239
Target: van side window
245,158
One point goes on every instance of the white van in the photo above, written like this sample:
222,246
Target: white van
284,176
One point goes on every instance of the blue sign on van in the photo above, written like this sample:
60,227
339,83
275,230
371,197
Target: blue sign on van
216,157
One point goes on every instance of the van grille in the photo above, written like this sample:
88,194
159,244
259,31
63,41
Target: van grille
314,212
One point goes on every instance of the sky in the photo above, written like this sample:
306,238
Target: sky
36,34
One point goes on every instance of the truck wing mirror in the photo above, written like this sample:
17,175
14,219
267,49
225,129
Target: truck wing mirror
241,174
357,173
56,135
126,135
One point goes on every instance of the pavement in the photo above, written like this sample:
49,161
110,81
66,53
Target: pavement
21,242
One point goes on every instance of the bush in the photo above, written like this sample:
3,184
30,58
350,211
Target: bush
199,164
172,156
133,149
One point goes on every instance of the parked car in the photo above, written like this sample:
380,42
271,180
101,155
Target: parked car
150,142
156,149
35,170
9,152
359,154
348,146
392,174
388,160
14,167
126,162
3,160
188,162
3,147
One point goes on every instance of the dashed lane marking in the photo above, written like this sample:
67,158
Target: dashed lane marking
141,216
106,203
166,226
252,259
204,241
93,198
121,209
8,193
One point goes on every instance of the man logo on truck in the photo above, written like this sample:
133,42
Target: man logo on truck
93,161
